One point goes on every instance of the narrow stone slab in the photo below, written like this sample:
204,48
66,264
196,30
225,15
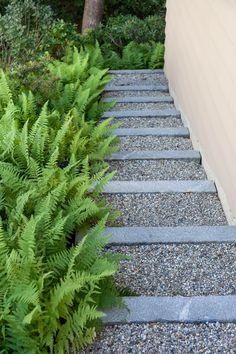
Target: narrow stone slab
197,309
173,132
110,87
143,113
186,155
155,235
134,187
137,71
140,99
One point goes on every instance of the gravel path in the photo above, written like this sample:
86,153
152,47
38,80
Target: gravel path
136,122
143,170
185,270
170,338
141,79
134,93
139,143
141,106
159,209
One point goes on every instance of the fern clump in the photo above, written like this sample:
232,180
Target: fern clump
52,174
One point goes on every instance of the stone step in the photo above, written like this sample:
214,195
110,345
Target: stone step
149,170
178,269
166,209
139,99
137,71
141,79
160,132
171,235
143,113
130,94
137,187
184,155
111,87
194,309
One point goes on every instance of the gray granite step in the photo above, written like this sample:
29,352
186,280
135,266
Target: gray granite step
171,235
143,113
138,71
176,132
184,155
139,99
137,187
111,87
174,309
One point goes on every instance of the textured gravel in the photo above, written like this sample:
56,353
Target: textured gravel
142,170
134,93
185,270
141,106
138,143
140,122
160,338
167,209
139,79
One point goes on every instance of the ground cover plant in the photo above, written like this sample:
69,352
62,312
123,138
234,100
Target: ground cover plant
52,171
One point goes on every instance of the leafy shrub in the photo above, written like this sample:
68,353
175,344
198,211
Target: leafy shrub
50,189
121,30
23,30
134,7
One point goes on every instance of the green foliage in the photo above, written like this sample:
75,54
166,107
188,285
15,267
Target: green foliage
134,7
52,173
121,30
23,30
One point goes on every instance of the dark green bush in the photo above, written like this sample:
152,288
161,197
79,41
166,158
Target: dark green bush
121,30
24,29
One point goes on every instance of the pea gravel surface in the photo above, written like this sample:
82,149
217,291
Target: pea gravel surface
171,338
167,209
142,122
179,270
139,143
141,106
143,170
140,79
152,93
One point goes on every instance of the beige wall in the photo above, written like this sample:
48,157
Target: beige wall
201,68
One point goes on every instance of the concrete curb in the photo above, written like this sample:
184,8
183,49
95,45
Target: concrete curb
163,235
194,309
136,187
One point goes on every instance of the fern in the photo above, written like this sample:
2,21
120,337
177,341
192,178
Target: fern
157,57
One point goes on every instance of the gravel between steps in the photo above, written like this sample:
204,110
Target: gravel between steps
179,270
139,143
140,122
142,170
135,93
139,79
141,106
160,338
167,209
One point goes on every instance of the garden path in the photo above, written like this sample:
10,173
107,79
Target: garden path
172,225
